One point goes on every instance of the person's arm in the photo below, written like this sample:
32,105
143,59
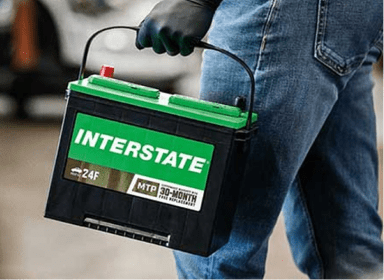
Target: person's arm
175,26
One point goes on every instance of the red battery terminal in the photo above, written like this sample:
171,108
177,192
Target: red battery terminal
107,71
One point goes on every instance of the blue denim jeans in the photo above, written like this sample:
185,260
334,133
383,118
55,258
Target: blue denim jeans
315,154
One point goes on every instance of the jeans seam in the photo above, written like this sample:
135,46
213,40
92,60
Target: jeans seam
268,23
210,267
379,40
266,28
311,229
265,32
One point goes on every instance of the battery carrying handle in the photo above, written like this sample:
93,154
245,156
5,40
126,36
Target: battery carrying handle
200,44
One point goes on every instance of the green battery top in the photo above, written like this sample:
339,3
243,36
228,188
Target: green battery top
150,98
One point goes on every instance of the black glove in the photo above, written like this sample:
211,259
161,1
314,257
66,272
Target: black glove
175,26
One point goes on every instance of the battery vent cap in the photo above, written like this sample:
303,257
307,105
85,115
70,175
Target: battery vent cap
107,71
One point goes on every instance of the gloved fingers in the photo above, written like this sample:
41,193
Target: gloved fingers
186,50
137,43
143,39
187,45
157,45
169,43
149,36
160,41
175,26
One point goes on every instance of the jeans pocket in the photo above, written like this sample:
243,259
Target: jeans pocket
346,31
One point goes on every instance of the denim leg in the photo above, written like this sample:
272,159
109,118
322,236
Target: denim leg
332,209
299,77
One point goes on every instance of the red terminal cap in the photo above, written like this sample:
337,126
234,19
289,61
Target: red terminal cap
107,71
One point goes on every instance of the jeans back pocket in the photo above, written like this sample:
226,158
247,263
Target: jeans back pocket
346,31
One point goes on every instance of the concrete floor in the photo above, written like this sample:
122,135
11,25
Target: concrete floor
34,247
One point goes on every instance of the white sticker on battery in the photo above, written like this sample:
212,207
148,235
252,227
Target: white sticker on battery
166,192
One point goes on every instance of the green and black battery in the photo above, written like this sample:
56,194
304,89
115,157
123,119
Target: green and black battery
152,166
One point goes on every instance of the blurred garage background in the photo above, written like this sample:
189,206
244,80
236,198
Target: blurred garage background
43,42
41,46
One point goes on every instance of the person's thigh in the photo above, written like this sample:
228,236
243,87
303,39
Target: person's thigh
295,93
335,201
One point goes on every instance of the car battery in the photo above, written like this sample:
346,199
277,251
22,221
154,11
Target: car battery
156,167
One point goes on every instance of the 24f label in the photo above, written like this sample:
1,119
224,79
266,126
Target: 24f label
85,173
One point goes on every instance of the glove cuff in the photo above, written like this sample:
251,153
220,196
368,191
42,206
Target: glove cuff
213,4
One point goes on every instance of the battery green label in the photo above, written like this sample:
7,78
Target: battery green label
151,164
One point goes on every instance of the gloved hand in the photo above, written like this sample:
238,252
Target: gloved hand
175,26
